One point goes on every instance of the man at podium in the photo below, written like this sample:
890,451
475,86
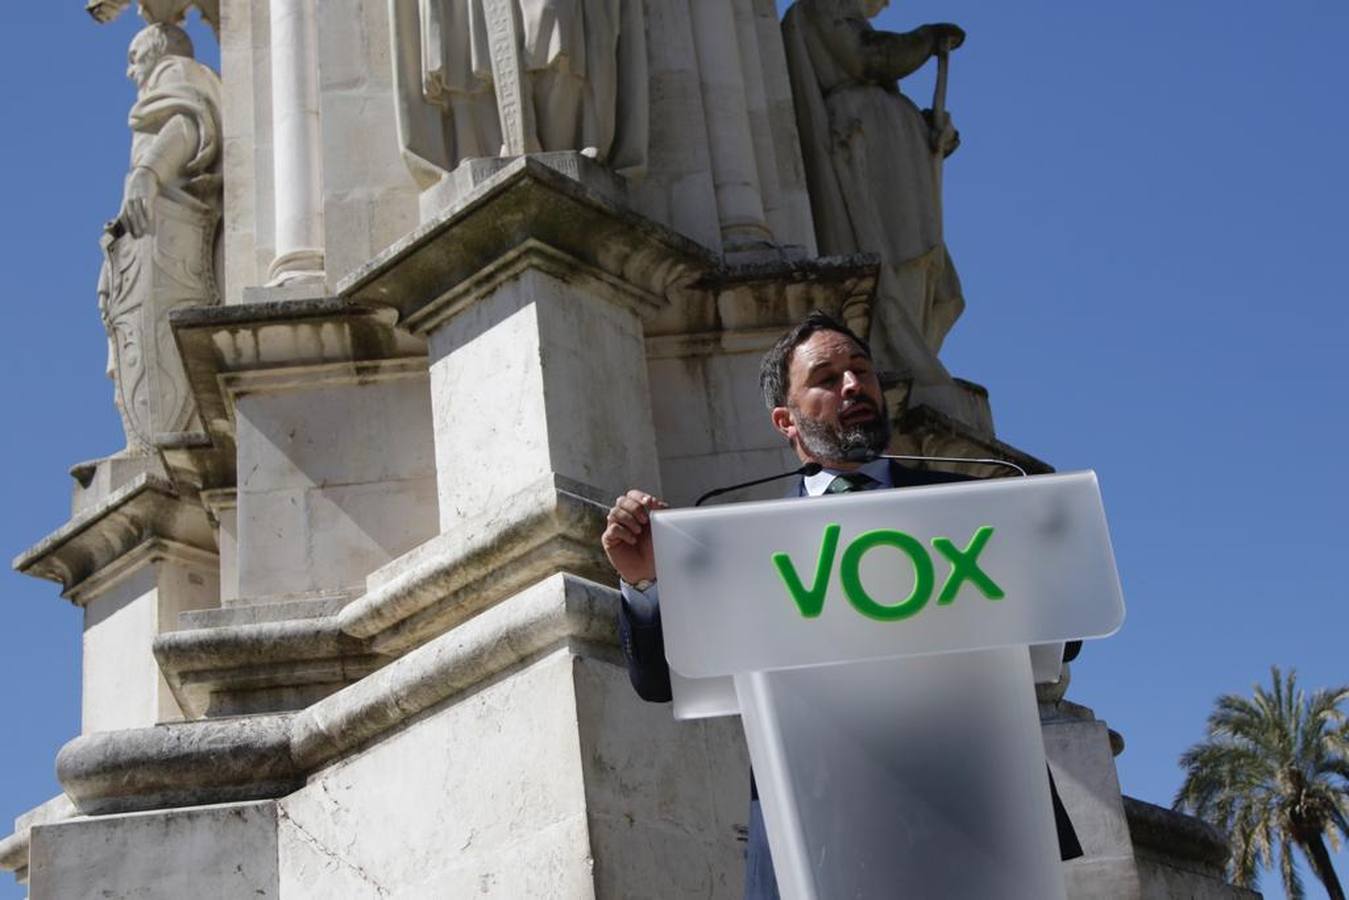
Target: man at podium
824,397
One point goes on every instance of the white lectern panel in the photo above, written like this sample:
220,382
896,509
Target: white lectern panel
946,568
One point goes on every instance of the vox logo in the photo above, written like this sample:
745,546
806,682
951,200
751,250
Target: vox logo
964,567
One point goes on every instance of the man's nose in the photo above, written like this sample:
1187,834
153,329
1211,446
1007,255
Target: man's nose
852,384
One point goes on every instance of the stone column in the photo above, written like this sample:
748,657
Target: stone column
734,163
296,144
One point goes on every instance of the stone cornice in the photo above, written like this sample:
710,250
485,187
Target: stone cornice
14,848
750,305
145,516
313,339
526,202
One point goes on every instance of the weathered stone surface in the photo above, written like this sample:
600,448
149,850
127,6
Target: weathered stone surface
242,338
213,851
552,779
1078,750
122,685
248,660
133,560
263,756
1179,856
323,496
668,802
549,342
470,173
262,667
14,848
304,393
549,527
182,764
924,430
553,612
443,264
148,509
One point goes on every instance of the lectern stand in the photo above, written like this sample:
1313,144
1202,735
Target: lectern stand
875,646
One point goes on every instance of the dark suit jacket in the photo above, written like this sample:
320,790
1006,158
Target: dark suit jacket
644,650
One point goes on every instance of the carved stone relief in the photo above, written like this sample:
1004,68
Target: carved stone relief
501,78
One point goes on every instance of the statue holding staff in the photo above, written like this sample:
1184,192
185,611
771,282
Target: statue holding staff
873,163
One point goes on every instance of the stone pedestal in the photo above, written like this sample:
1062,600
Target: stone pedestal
1080,756
211,851
307,393
133,560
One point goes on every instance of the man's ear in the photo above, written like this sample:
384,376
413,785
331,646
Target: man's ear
782,421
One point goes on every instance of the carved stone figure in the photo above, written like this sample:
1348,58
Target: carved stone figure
160,251
157,12
486,78
873,162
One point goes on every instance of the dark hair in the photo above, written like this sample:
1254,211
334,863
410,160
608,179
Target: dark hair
773,371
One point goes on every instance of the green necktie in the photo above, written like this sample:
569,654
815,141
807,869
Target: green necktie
849,482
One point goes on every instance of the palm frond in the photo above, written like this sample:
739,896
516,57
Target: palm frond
1292,881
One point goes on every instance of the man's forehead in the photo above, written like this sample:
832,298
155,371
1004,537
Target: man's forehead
823,346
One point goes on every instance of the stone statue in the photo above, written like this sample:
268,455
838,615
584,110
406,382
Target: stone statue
873,162
158,12
488,78
161,250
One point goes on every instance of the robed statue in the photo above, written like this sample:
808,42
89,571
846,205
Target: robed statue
873,161
492,78
161,251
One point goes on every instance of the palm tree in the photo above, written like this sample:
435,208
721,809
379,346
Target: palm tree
1274,773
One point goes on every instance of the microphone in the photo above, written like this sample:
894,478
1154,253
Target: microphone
807,470
864,455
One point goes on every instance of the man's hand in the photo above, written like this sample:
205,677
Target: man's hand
945,36
627,539
138,203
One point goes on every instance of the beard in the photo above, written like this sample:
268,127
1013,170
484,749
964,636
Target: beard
837,442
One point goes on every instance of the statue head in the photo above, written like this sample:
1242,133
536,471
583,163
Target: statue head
151,45
873,8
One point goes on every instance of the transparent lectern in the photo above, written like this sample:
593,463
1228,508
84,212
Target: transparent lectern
876,647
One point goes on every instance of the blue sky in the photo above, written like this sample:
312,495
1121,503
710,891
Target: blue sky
1147,212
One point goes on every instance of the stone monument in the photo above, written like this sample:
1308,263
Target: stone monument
482,264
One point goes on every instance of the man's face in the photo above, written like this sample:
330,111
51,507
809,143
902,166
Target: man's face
141,61
834,401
